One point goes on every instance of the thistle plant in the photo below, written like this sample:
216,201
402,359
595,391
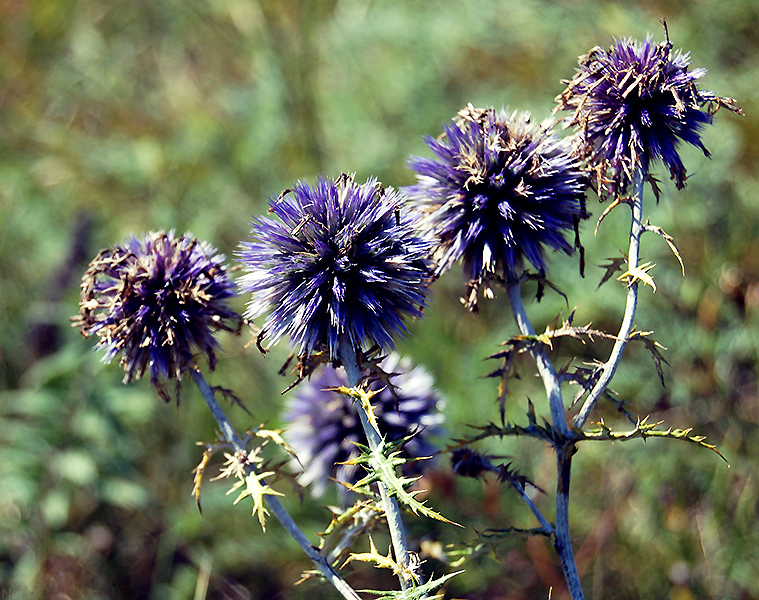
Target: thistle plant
342,269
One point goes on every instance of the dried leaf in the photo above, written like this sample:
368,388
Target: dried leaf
670,242
634,274
615,264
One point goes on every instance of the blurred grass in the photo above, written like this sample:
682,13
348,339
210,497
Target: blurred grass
124,116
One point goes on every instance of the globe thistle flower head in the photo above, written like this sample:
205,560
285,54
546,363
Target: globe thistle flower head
633,105
343,262
158,302
324,425
499,192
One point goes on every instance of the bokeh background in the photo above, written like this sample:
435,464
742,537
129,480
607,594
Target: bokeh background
122,116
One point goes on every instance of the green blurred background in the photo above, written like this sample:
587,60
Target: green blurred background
123,116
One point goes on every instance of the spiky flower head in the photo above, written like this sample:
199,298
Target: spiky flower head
324,424
343,262
158,302
633,104
500,191
470,463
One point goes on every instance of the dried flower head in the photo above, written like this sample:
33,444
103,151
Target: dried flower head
343,262
499,192
470,463
324,424
157,301
633,105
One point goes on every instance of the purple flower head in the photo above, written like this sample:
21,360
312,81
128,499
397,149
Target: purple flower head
157,301
499,191
344,261
323,424
633,105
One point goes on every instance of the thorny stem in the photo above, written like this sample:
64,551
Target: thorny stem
373,437
545,368
563,447
610,366
547,527
273,504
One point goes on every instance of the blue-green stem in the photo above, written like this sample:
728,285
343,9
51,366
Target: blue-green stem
547,527
373,437
545,368
628,320
273,504
564,447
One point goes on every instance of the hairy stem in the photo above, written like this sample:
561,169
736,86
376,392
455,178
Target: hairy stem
373,437
633,258
564,449
273,504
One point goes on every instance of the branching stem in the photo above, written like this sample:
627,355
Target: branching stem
564,447
274,506
610,366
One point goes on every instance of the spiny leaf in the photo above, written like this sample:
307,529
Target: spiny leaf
615,264
653,347
382,464
609,208
543,282
654,182
518,345
200,470
621,407
382,562
541,432
578,333
256,488
644,430
231,396
379,374
585,377
507,472
241,465
275,435
363,396
670,242
634,274
418,592
346,526
504,374
531,413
